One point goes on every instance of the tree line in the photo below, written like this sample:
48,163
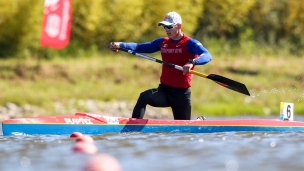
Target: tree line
273,23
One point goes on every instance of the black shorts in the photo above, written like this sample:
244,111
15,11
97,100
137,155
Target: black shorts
179,99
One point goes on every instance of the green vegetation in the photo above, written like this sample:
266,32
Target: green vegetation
276,24
120,76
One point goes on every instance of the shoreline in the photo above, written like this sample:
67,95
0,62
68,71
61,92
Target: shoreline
112,108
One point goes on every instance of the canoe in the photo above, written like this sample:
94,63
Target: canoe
90,123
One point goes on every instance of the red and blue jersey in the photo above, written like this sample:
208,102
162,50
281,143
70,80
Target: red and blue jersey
177,52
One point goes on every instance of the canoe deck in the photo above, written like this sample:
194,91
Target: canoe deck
89,123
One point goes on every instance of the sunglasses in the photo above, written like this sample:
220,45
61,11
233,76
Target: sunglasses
169,26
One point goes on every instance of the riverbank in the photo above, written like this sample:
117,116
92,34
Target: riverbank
42,87
114,108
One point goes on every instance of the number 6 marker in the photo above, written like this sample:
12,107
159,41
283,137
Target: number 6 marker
286,111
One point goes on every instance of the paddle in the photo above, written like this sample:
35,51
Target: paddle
223,81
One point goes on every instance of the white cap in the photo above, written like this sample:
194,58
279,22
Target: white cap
171,18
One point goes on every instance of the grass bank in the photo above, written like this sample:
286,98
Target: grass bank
119,76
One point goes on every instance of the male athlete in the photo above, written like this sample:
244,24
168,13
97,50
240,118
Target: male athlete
174,88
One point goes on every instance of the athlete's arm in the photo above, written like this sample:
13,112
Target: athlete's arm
196,48
147,47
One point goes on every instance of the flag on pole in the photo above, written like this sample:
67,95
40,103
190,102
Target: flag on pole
56,24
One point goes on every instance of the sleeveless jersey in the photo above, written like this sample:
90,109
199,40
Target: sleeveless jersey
175,53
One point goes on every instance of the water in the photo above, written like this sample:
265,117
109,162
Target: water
160,152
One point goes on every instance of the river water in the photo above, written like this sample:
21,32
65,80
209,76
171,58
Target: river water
250,151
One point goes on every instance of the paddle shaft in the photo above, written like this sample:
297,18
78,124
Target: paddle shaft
223,81
163,62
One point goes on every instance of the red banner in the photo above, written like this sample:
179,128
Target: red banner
56,23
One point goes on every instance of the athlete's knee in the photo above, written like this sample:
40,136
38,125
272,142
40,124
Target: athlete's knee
146,94
143,95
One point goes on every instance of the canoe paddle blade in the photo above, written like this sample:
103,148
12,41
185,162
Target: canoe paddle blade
228,83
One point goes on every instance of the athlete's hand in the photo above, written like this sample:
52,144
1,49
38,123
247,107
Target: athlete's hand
114,46
186,68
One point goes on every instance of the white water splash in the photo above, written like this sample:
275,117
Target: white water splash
296,94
